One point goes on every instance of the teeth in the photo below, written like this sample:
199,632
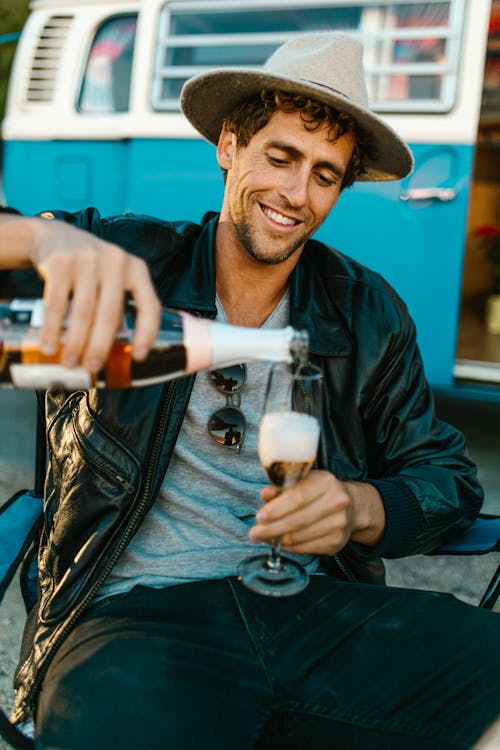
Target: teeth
279,218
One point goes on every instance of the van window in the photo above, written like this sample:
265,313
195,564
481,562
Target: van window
411,48
106,81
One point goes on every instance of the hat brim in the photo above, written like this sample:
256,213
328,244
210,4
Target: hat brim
207,98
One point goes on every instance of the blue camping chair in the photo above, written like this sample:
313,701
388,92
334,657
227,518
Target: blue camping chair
21,516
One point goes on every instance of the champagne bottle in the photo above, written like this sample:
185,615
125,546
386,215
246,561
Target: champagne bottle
185,344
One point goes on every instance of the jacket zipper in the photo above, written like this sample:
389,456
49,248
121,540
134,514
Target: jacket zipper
344,569
29,700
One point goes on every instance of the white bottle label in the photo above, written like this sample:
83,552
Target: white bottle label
41,377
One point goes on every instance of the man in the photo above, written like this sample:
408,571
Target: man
142,635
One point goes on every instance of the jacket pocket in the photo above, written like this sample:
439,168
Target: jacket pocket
94,481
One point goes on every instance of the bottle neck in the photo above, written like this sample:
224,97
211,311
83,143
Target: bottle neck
234,344
299,347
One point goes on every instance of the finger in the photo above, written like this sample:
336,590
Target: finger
82,311
147,305
327,545
321,538
268,493
267,531
325,532
326,509
56,296
318,485
292,522
108,316
287,502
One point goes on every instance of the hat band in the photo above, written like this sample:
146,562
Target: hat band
324,86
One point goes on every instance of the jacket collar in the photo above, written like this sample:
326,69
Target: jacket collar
312,291
313,306
187,281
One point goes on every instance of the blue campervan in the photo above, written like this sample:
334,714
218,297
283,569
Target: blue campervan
93,119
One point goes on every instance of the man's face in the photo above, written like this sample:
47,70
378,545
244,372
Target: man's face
281,186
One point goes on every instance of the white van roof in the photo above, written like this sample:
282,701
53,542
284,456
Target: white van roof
68,4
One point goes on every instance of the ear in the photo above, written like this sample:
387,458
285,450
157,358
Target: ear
225,149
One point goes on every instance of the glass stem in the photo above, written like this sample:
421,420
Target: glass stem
274,560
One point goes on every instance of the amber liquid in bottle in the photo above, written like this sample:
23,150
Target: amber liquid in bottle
23,364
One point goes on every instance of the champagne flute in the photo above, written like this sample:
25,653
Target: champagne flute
288,445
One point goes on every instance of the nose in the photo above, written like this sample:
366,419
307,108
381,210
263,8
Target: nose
295,188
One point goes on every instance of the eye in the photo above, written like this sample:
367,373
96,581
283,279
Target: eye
277,162
326,180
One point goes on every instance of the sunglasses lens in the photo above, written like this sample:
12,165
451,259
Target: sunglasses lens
228,379
227,427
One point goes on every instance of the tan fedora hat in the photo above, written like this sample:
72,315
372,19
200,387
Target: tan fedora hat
326,67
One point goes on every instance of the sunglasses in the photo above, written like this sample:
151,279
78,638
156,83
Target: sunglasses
227,426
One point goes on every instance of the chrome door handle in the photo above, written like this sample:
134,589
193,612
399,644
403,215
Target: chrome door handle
428,194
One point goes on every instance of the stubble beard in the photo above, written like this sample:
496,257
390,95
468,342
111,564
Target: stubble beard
255,251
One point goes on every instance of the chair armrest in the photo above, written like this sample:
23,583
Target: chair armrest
479,539
20,517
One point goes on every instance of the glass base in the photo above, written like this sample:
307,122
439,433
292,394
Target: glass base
283,578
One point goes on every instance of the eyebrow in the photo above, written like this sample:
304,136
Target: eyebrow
296,153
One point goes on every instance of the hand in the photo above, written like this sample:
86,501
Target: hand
320,515
96,275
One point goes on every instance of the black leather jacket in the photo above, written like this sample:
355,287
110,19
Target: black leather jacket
109,450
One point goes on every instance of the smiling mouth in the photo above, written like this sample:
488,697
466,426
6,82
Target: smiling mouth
279,218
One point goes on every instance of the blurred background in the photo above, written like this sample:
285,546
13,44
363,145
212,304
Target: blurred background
13,14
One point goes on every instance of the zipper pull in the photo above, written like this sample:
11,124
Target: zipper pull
125,484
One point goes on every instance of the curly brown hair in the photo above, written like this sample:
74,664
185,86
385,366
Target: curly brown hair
252,114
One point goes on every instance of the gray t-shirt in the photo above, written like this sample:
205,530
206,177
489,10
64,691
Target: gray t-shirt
198,527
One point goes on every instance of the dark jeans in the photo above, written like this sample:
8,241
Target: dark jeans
211,666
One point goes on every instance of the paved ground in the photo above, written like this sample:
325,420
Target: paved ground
465,577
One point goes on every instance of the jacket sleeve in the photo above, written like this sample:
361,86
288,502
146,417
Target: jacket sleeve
418,463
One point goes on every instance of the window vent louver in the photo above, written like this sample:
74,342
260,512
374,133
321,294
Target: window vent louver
47,59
